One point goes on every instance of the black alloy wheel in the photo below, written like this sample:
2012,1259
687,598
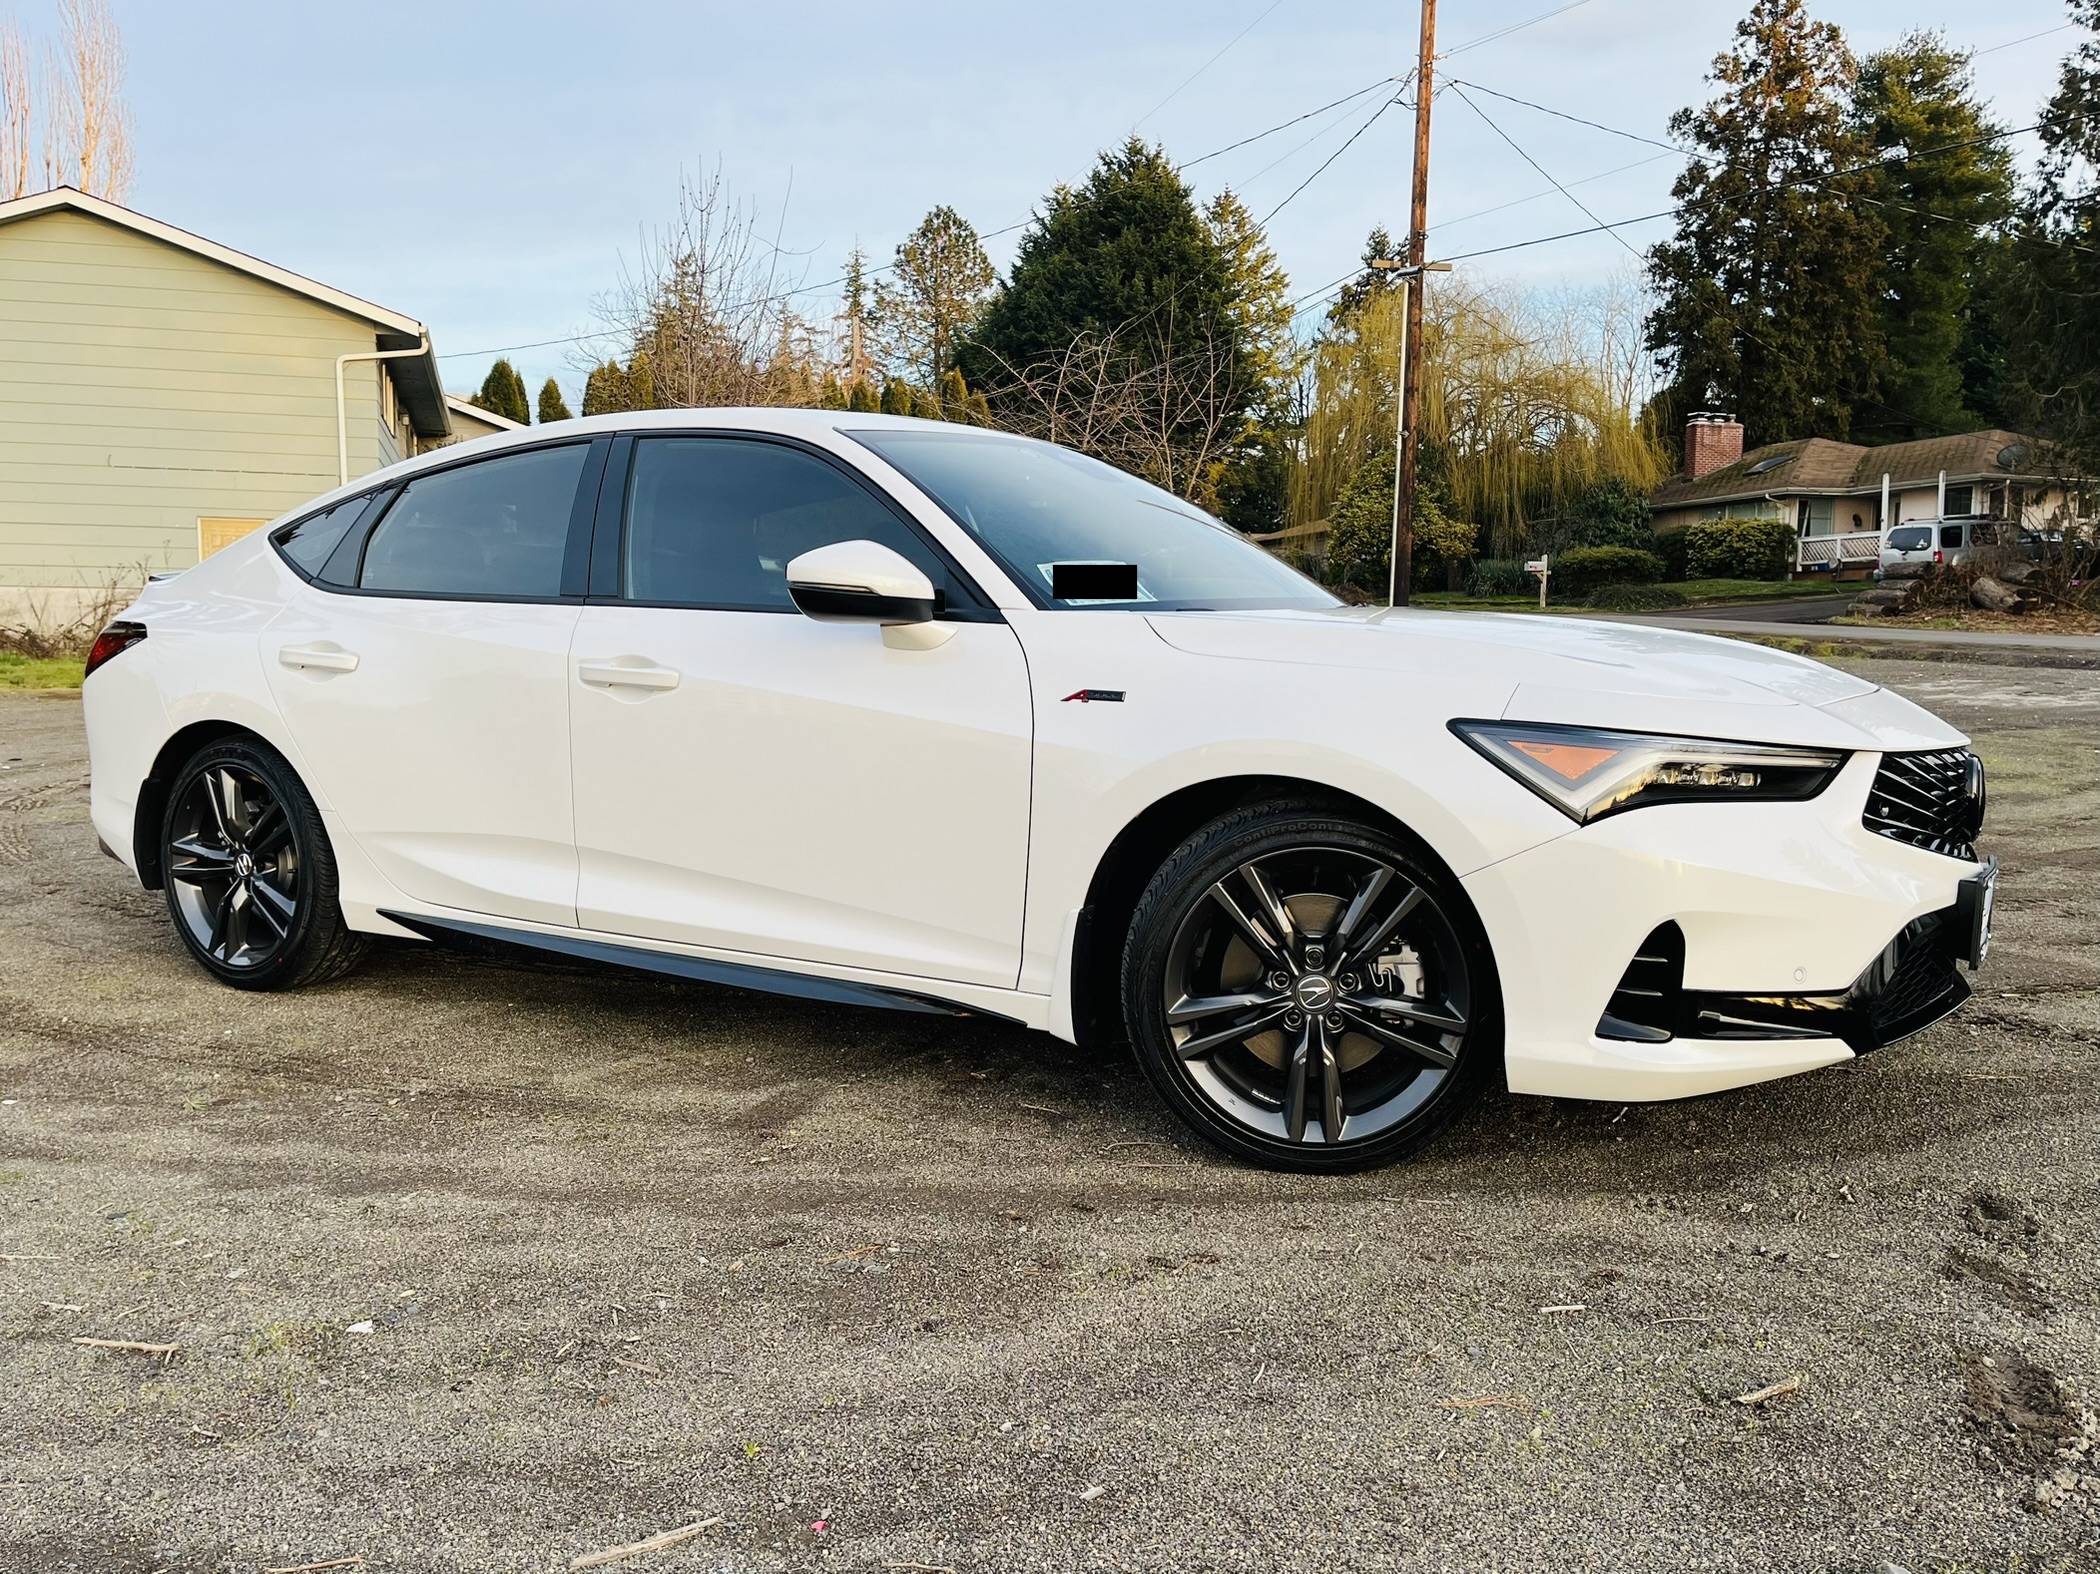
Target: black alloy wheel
1307,991
251,881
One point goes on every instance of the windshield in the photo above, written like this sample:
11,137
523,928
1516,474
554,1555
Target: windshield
1909,538
1037,507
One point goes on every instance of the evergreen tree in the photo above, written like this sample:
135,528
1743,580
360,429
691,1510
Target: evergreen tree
1941,192
857,320
1124,258
862,397
552,406
1767,295
503,392
1253,483
896,397
2048,287
1378,247
959,403
938,285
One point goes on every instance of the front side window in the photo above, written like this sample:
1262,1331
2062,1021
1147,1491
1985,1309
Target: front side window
496,528
715,521
307,542
1034,506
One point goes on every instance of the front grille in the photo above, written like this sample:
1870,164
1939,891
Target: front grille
1932,800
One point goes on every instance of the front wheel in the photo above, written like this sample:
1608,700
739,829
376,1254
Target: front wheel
1307,991
250,877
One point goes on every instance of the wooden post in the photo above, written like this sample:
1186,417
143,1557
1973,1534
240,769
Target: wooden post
1411,375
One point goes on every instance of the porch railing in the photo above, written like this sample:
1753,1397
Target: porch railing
1840,551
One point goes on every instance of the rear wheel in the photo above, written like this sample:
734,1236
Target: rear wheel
250,878
1308,991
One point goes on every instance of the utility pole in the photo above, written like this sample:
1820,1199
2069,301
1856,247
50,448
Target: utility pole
1410,277
1411,344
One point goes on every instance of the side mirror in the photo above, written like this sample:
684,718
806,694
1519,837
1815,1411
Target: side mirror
867,582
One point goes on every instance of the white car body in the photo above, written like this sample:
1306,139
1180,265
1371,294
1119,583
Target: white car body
825,802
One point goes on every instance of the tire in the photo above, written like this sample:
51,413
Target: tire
1261,1006
248,873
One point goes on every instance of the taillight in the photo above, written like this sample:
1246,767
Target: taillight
113,641
1939,557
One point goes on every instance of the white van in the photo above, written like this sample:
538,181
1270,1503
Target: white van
1931,541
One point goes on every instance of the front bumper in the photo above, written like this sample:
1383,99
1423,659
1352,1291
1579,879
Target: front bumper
1805,939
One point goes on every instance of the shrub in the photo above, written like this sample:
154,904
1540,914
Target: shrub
1739,549
1580,570
1499,576
1669,545
1612,513
1635,598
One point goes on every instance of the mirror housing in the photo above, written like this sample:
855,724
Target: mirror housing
867,582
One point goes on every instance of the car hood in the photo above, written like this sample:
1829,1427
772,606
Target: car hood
1579,671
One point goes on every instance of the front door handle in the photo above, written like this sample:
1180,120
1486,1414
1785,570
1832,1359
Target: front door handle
318,658
614,675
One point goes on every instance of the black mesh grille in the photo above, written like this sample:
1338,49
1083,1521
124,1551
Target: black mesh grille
1932,800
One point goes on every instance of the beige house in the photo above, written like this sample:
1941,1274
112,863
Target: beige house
162,394
1838,496
470,421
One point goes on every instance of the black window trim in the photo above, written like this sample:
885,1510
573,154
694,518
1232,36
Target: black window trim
277,536
609,526
350,552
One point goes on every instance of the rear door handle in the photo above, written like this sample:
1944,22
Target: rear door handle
320,658
613,675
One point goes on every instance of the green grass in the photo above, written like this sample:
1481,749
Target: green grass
26,672
1702,593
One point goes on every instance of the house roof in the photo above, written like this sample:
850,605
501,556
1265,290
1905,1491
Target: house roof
474,412
422,394
1817,465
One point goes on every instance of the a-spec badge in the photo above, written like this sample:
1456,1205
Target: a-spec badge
1092,696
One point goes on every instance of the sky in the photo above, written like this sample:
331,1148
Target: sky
489,169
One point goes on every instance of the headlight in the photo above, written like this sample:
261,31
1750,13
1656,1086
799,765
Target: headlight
1589,772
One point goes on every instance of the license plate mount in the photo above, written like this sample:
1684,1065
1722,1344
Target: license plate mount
1978,897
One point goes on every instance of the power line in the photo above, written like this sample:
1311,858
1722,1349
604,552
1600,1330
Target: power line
1285,125
1297,148
1337,153
1514,27
1518,202
1581,207
1213,60
2030,38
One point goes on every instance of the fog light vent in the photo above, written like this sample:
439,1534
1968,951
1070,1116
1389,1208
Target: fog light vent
1645,1007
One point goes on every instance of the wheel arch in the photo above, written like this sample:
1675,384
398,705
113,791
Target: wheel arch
1135,853
152,806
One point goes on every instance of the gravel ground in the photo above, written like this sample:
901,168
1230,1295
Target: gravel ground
483,1266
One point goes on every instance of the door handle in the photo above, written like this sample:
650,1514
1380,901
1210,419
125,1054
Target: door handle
612,675
320,658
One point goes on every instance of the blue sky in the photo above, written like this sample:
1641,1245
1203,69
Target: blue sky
486,167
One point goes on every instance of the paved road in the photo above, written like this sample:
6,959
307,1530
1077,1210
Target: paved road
1818,608
480,1266
1712,622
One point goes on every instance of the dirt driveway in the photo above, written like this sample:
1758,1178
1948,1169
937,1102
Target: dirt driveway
482,1266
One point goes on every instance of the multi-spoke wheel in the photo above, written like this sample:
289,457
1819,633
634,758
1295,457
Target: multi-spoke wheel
1307,991
249,874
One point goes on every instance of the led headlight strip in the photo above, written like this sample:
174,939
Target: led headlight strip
1589,772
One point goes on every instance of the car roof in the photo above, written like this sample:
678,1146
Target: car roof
785,421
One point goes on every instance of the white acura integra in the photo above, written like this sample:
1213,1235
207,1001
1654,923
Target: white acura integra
895,713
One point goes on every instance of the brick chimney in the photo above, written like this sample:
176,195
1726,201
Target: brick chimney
1710,442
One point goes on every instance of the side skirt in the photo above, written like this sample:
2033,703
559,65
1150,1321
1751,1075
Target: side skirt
738,975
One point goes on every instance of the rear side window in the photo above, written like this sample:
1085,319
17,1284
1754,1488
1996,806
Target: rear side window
1911,538
1951,535
307,542
496,528
715,521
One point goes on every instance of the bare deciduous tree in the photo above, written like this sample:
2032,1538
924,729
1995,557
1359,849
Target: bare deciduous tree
17,112
705,306
1170,415
63,119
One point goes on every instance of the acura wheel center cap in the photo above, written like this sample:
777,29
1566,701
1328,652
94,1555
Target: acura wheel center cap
1314,993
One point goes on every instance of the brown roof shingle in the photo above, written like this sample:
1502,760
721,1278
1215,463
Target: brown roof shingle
1820,465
